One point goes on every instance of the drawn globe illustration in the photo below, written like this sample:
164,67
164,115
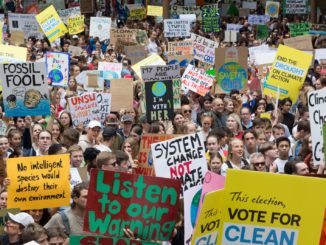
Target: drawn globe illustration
56,76
159,89
194,207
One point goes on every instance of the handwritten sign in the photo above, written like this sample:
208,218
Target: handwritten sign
136,12
135,53
25,23
10,53
57,66
38,182
176,28
66,13
295,7
110,208
25,89
152,60
299,29
100,27
123,34
176,10
156,73
204,49
154,10
180,48
88,239
104,105
258,19
210,19
76,24
176,93
109,70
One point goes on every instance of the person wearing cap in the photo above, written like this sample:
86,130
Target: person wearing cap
113,121
14,228
89,140
109,134
126,125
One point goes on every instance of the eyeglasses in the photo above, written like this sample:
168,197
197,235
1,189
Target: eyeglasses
259,163
187,111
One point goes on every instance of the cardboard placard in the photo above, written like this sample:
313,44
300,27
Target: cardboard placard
176,28
118,200
100,27
152,60
204,48
272,9
121,94
87,6
76,24
25,23
180,48
300,42
25,89
88,79
123,34
135,53
17,37
210,19
38,182
58,67
75,50
160,73
66,13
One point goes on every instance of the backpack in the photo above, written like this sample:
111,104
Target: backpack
65,221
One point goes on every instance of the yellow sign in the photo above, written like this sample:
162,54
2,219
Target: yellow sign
152,60
51,24
154,10
288,73
10,53
272,208
76,24
38,182
137,14
209,220
266,115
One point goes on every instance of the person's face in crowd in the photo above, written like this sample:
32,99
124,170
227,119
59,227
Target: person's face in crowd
318,84
20,123
12,228
218,105
55,131
44,140
72,83
76,158
207,105
305,116
272,153
81,41
112,118
301,169
111,165
232,124
127,147
314,168
279,133
250,140
37,214
283,149
46,46
38,45
261,138
254,95
162,131
15,141
93,133
98,45
259,164
131,113
113,57
206,123
127,126
286,107
191,129
107,57
56,241
215,165
65,47
76,71
153,36
135,136
3,200
43,239
4,144
260,109
245,115
36,130
212,144
65,119
323,64
186,112
229,106
318,69
179,120
82,199
237,149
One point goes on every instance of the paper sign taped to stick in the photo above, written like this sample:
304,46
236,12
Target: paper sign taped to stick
159,73
38,182
58,67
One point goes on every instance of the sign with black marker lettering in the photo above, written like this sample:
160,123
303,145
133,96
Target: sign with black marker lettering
25,89
156,73
177,28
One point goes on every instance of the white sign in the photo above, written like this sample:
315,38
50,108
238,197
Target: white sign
104,105
258,19
25,23
100,27
66,13
249,5
204,49
176,28
233,27
160,73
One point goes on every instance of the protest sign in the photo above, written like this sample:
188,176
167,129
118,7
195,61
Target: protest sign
210,19
204,49
157,73
197,80
270,214
58,67
91,239
135,53
258,19
299,29
320,54
78,175
209,219
181,158
25,23
91,79
176,10
76,24
230,36
317,113
121,94
189,17
109,70
38,182
154,10
295,7
159,101
145,160
17,38
299,42
136,12
123,34
176,94
100,27
25,89
3,217
10,53
272,9
324,142
176,28
51,23
317,29
83,109
66,13
152,60
111,208
104,105
262,32
233,27
75,50
249,5
180,48
231,66
182,60
87,6
288,73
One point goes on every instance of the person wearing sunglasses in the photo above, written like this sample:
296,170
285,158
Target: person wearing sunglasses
257,161
187,112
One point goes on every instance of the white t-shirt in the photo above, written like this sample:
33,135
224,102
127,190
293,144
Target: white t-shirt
280,165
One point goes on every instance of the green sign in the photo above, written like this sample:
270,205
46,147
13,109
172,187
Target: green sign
99,240
299,29
262,32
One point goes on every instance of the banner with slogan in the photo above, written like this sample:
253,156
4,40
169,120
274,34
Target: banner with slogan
76,24
258,19
210,19
204,49
152,60
25,23
70,12
84,108
209,219
159,100
51,24
25,89
146,205
104,105
288,73
58,67
232,68
136,12
10,53
145,159
272,9
270,214
38,182
4,216
90,239
197,80
109,70
299,29
317,114
176,10
157,73
185,47
154,10
295,6
100,27
123,34
176,28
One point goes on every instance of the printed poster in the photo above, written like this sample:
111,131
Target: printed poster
272,9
